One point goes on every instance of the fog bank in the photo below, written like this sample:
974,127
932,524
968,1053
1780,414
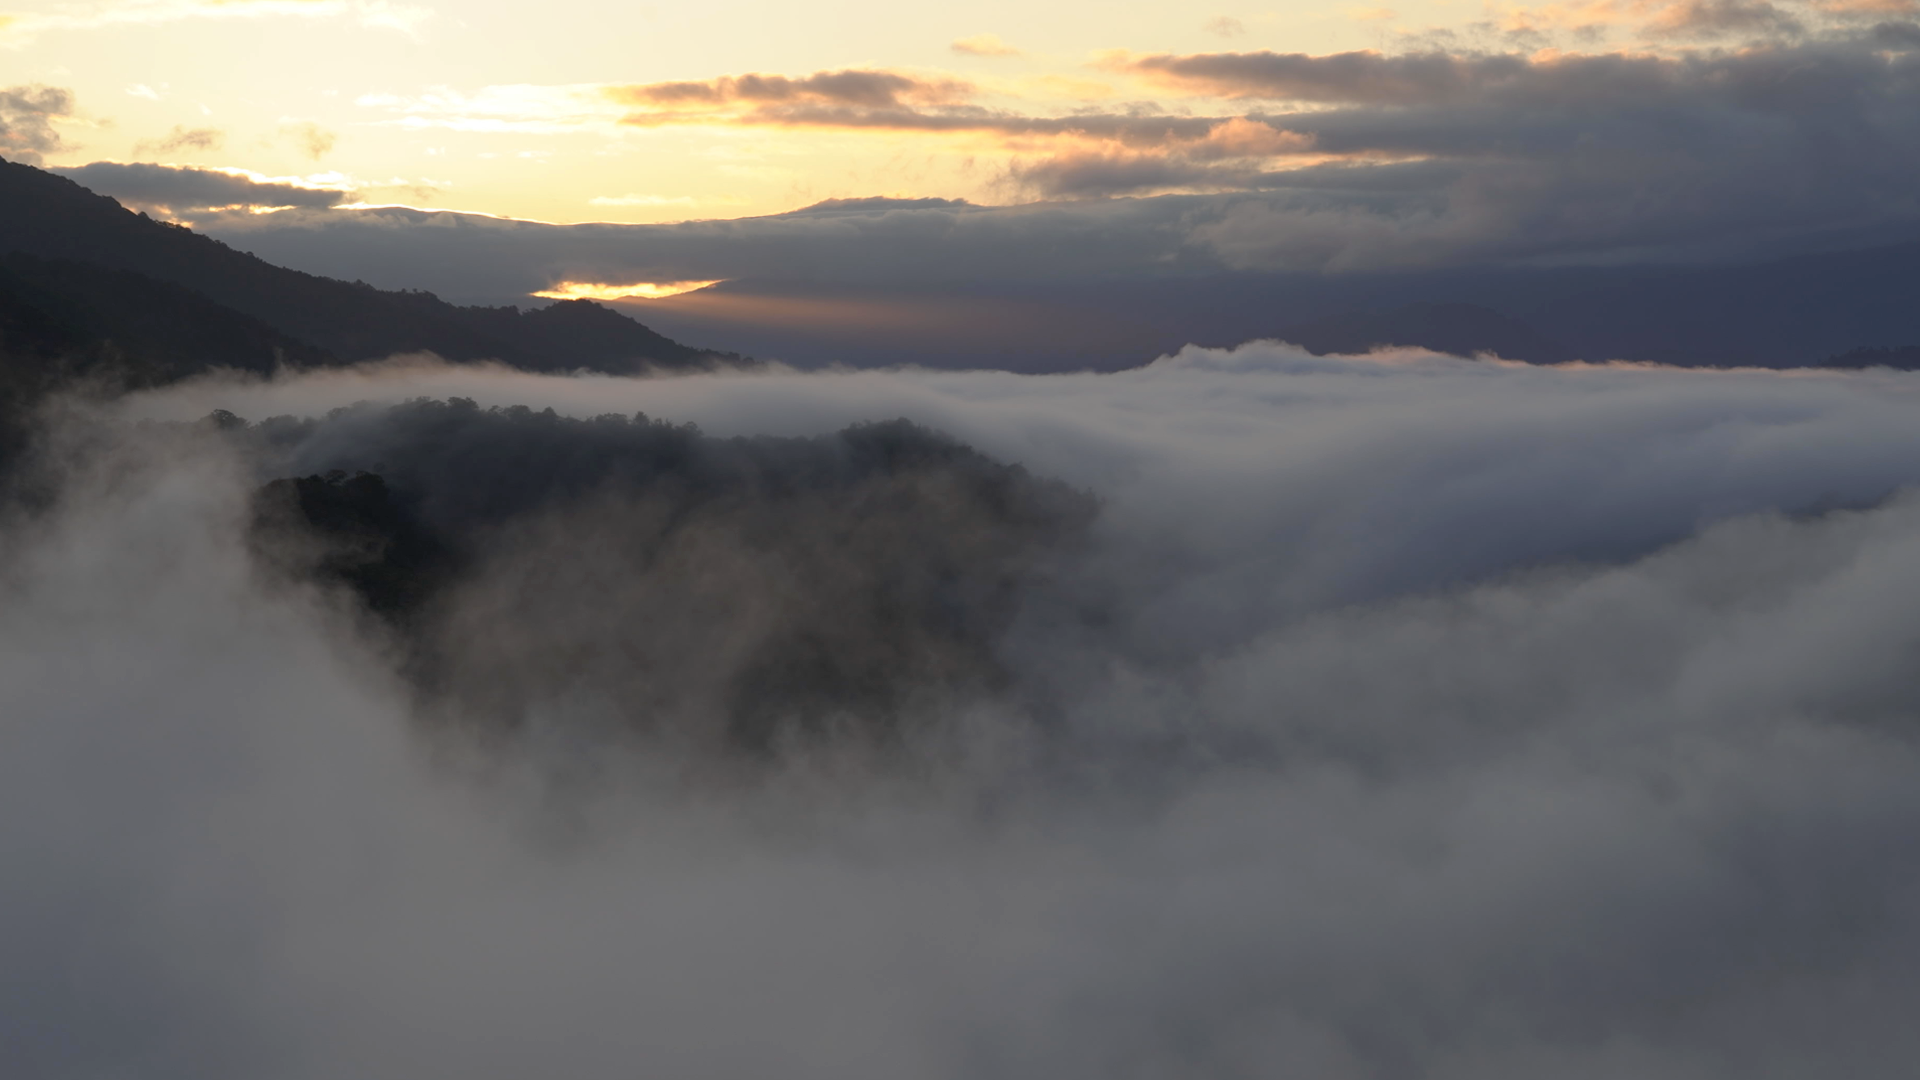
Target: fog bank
1397,716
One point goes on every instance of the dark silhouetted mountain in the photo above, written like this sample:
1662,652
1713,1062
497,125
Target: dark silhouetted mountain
1904,358
51,217
63,323
1460,329
1791,312
83,318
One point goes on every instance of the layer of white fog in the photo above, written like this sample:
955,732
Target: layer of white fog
1443,719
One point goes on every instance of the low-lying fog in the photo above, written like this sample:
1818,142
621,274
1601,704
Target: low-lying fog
1387,717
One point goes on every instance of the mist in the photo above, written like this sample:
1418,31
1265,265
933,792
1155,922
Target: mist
1250,713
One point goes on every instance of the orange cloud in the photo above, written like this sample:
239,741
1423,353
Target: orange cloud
1242,137
854,88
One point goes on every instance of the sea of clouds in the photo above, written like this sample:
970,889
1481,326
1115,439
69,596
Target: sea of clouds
1405,716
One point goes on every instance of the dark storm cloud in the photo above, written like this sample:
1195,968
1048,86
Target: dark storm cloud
1403,717
183,188
26,121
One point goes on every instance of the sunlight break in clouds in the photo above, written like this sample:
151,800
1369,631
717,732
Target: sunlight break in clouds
645,290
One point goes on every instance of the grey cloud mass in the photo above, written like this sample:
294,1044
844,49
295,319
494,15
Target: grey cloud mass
185,189
26,121
1709,19
1407,717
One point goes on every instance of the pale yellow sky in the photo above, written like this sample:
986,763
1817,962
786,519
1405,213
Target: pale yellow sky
507,108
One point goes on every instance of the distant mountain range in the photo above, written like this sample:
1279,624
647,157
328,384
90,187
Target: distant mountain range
87,286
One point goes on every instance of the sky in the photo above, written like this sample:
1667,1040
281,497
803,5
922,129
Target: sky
648,113
480,106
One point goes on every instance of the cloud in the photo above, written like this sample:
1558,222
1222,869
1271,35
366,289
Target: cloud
1402,716
1366,78
1226,26
1541,140
1226,159
26,121
983,45
864,89
1747,19
177,189
516,108
1094,173
853,240
887,101
182,138
1350,162
315,141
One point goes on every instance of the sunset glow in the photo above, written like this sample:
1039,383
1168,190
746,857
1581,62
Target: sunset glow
643,290
743,108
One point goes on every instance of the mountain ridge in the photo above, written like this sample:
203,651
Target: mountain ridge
53,218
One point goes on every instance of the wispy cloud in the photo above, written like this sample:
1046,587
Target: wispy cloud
522,108
855,88
182,138
312,139
984,45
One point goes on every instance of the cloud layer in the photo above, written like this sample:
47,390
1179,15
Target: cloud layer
185,189
1409,717
1357,162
